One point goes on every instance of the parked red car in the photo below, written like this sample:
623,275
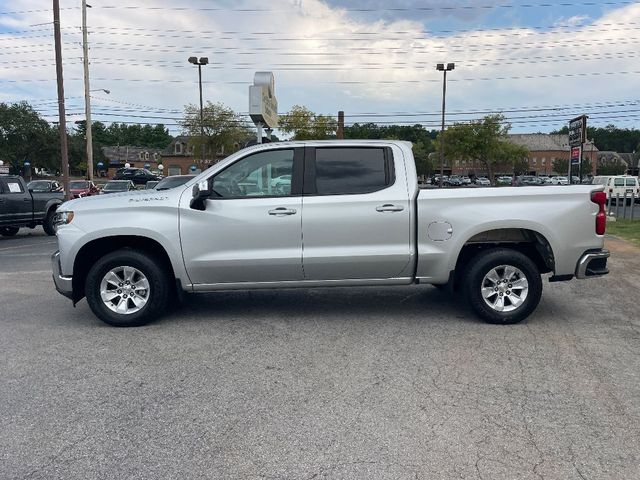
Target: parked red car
82,188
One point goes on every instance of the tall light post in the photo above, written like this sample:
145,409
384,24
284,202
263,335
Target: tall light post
444,69
88,124
199,63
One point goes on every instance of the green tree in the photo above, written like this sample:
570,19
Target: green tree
424,165
25,135
613,168
560,166
484,140
224,129
411,133
303,124
611,138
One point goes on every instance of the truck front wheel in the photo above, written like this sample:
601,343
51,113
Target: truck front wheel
503,286
127,288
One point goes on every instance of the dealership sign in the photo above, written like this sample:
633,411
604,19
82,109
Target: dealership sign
577,131
575,155
263,106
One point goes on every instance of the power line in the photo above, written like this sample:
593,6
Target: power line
556,28
302,67
452,112
383,9
409,36
22,12
495,46
346,82
180,32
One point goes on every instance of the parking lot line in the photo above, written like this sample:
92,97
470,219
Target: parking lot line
26,246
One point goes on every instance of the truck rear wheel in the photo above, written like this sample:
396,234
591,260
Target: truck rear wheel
503,286
127,288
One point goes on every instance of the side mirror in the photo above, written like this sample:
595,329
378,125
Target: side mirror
201,191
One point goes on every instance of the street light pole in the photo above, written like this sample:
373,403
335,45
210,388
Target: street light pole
199,63
444,69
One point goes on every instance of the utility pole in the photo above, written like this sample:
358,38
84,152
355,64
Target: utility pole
87,99
62,122
340,132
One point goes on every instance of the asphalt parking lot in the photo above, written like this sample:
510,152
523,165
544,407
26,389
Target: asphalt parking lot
400,383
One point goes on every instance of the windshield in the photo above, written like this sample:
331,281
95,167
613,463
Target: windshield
171,182
116,186
78,185
39,186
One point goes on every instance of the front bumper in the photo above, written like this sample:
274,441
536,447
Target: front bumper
592,264
63,284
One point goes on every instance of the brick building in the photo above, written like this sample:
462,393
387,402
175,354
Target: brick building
178,158
543,150
140,157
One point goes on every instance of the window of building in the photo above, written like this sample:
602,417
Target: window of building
146,155
535,161
341,171
178,148
544,161
174,170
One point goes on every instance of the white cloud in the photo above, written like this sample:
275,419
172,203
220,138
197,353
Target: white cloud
392,62
575,21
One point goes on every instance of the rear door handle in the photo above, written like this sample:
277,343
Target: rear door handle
282,211
387,207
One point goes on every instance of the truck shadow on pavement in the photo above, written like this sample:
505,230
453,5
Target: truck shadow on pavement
329,305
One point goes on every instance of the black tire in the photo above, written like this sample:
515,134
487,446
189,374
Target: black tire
158,292
494,258
9,231
47,223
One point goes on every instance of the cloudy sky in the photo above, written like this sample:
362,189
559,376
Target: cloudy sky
540,62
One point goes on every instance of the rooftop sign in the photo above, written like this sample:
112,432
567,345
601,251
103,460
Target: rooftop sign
263,106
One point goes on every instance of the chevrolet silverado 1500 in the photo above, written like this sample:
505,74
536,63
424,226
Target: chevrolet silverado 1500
341,213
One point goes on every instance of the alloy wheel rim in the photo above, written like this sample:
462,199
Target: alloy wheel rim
504,288
124,290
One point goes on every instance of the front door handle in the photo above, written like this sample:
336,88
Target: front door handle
387,207
282,211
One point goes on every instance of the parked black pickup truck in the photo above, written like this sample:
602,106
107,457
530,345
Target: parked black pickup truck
20,207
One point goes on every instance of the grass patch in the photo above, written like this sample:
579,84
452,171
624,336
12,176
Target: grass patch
627,229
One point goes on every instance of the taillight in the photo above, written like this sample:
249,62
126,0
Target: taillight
600,198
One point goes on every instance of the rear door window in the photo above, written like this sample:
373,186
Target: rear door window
631,182
12,186
618,182
351,170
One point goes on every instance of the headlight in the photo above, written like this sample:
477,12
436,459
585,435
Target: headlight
62,218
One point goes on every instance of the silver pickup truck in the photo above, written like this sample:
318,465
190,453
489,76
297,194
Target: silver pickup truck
320,214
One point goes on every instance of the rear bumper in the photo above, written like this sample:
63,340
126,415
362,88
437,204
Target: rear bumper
592,264
63,284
